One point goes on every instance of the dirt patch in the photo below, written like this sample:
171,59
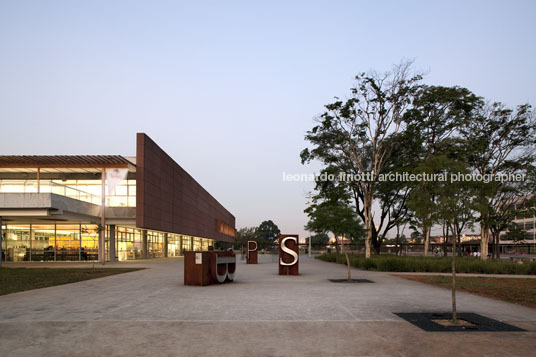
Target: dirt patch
450,322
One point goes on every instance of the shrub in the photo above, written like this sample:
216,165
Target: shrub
393,263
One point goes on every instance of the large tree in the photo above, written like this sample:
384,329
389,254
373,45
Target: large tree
356,133
267,233
436,114
502,141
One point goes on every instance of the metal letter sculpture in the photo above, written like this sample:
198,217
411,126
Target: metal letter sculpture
251,252
225,268
205,268
288,254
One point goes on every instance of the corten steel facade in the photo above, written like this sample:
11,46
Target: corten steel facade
169,199
51,208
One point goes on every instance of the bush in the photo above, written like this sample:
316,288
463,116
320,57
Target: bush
393,263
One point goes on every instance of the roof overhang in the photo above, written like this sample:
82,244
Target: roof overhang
64,163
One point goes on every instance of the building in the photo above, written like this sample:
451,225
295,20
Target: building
524,217
51,208
464,238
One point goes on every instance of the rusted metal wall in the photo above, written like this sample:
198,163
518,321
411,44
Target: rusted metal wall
169,199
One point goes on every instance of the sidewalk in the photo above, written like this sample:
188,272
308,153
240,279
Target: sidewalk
151,312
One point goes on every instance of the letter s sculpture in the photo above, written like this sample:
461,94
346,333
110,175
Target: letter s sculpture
288,254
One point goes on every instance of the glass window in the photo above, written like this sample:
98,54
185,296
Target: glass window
186,243
43,242
128,248
197,244
89,249
67,242
157,245
17,245
173,245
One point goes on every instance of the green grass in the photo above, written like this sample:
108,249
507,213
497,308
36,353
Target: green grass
516,290
393,263
21,279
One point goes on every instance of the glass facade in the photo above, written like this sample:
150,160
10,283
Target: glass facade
124,194
129,243
174,245
80,242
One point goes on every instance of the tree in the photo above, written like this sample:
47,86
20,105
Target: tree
330,212
320,239
267,233
244,234
422,202
392,195
516,233
502,141
356,133
455,199
399,238
432,121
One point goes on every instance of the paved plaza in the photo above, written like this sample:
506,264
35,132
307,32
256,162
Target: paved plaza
151,312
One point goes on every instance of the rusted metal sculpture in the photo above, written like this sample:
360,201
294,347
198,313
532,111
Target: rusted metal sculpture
288,254
205,268
252,252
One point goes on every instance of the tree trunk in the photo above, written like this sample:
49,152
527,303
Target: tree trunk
337,249
368,243
445,241
348,264
426,234
345,251
454,315
377,248
484,237
397,241
497,245
368,225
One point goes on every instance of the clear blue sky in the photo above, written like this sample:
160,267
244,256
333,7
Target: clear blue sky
228,88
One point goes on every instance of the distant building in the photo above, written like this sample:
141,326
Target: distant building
465,238
525,223
340,239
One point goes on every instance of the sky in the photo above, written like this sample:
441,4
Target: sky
228,89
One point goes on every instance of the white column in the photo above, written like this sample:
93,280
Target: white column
102,231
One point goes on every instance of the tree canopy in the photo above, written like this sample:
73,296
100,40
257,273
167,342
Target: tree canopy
392,123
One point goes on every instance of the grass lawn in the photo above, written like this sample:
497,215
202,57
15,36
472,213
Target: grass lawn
520,291
20,279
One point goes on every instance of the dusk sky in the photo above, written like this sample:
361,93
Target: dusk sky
228,89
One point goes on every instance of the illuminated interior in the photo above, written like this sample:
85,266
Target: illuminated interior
68,231
124,194
80,242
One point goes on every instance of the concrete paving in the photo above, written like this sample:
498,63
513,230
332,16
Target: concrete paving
151,312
